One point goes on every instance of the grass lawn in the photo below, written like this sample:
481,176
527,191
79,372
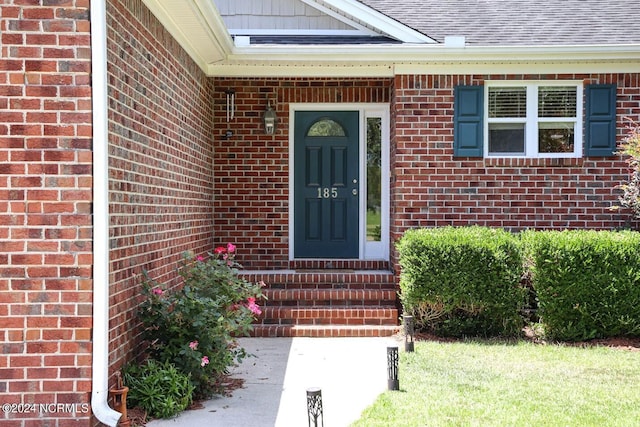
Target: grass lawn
373,220
520,384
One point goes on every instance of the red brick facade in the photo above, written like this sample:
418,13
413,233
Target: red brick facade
432,188
160,162
252,169
160,151
45,211
178,183
429,187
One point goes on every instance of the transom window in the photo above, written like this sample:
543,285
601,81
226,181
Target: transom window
533,119
326,127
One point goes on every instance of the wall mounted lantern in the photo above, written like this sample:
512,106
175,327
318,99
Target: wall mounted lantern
270,120
231,104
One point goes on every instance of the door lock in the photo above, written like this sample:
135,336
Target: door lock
354,192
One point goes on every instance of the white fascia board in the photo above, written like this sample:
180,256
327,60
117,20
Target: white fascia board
360,11
197,26
318,5
385,61
442,68
373,53
299,70
518,68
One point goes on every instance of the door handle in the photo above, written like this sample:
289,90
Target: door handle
354,192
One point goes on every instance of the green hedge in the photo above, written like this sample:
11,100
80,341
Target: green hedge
587,282
478,281
462,281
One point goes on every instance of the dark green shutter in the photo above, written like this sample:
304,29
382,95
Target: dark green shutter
468,118
600,120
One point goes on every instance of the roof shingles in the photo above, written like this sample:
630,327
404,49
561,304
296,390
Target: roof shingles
519,22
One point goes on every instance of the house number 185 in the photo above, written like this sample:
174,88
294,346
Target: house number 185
326,193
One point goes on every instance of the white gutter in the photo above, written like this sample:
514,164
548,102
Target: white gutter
100,362
429,53
389,61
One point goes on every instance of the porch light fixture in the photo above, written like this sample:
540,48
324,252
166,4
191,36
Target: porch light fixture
270,119
408,333
231,104
392,368
314,407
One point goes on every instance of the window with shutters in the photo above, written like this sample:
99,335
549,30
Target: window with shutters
533,119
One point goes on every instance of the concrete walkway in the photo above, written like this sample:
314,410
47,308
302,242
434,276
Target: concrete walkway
351,372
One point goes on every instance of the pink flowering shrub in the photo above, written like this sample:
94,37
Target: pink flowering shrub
195,327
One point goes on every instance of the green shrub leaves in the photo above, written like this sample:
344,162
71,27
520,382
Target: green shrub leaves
587,282
158,388
473,281
462,281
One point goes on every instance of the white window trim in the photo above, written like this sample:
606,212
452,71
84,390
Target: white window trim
367,250
532,119
376,250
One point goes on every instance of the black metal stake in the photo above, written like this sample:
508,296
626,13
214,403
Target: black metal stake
408,333
392,368
314,406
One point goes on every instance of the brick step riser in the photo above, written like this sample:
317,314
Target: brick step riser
329,316
308,287
328,304
272,331
332,264
329,322
355,281
329,295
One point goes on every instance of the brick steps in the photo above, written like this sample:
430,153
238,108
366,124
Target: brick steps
327,298
368,315
330,297
325,331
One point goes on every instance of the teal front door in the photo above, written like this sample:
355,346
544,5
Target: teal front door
326,184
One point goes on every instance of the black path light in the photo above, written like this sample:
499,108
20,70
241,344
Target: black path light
314,406
392,369
408,333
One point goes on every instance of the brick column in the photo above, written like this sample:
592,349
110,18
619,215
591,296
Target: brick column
45,212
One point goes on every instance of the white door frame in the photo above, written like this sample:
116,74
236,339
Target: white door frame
367,250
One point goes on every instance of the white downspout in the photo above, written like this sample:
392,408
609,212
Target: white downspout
100,363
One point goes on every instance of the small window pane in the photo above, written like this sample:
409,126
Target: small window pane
506,138
555,138
557,101
507,102
374,179
326,127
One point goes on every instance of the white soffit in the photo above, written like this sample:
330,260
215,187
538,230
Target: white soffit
197,26
386,61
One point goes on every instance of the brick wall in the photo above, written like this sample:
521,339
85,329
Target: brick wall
45,211
252,169
432,188
429,187
160,127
